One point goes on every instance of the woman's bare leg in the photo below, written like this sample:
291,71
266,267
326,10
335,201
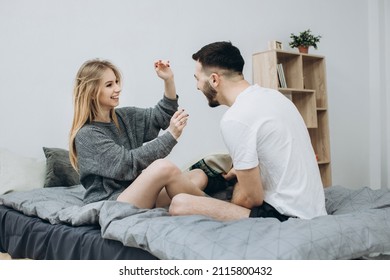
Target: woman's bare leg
196,176
144,191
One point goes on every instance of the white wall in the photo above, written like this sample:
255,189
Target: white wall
379,83
43,43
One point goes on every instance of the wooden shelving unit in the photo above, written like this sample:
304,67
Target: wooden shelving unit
305,76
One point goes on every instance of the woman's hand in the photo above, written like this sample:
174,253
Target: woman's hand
163,69
177,123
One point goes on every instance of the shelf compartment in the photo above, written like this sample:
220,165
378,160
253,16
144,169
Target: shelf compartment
292,68
314,77
265,66
305,101
265,69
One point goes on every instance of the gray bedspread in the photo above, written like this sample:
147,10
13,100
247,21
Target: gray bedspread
358,225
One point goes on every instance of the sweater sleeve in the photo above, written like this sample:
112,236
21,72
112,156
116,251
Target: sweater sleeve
158,117
146,123
99,155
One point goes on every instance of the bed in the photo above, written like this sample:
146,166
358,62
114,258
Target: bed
53,223
24,236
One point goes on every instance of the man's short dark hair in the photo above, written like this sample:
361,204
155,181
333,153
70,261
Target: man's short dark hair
221,55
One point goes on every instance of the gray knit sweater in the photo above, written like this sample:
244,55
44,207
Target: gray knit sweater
109,160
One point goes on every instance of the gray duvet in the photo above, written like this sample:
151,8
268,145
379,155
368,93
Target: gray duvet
358,225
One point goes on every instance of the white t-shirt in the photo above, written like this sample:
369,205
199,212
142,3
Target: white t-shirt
264,128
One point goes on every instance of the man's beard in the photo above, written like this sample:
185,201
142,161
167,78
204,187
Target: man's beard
210,94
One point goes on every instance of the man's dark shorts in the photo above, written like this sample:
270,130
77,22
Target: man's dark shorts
267,211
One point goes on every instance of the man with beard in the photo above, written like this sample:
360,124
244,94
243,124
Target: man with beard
273,159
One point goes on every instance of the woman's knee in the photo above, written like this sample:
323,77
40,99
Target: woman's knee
199,177
165,167
180,204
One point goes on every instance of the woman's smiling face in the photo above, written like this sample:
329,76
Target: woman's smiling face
109,90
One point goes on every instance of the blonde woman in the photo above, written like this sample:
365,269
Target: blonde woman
108,146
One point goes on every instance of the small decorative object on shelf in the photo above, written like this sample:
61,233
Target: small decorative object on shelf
275,45
304,40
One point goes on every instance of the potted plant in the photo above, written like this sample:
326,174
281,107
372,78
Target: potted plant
304,40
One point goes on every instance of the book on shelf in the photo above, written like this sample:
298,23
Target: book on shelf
282,78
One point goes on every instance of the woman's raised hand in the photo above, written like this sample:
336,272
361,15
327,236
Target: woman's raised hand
163,69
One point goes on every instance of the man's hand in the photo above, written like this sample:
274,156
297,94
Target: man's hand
230,175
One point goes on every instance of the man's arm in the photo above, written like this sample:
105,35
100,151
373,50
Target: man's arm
248,192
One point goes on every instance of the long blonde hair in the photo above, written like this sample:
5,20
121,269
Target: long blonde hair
85,99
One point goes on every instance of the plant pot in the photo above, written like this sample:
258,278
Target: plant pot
303,49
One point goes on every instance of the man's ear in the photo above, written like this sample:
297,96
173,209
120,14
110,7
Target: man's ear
214,80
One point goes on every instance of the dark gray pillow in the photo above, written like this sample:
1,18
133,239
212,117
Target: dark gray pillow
59,171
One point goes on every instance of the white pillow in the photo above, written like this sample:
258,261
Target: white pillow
18,173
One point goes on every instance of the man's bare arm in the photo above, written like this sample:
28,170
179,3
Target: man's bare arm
248,191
